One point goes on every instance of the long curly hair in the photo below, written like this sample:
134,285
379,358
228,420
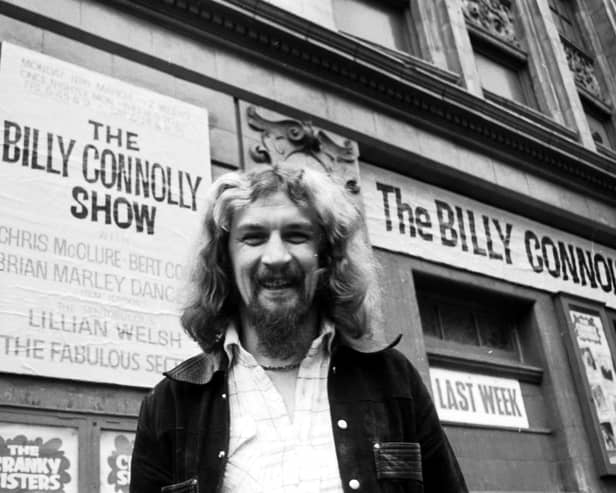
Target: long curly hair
347,293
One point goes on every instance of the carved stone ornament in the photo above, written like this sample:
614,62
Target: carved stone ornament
285,140
583,69
493,16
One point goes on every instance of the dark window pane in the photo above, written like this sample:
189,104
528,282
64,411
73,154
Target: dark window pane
458,324
598,130
429,318
494,331
463,315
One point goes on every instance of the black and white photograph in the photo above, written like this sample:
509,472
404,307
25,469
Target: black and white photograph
307,246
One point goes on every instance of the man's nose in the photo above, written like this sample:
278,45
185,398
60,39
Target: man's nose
276,252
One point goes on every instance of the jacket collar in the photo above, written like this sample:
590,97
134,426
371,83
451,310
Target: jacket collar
200,369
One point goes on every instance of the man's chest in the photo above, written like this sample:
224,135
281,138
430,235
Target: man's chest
276,447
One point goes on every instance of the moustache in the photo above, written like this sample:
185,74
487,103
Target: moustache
288,275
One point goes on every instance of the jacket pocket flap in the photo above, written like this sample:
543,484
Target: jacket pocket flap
188,486
398,460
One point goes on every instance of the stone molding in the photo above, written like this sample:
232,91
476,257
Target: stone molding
281,139
493,16
583,69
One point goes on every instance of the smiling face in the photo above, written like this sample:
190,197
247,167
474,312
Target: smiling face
273,247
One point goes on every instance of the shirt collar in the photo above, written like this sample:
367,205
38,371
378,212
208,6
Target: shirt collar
200,369
232,342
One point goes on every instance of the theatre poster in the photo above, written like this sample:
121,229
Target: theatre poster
115,451
590,345
102,191
37,459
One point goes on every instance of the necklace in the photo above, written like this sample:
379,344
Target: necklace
290,366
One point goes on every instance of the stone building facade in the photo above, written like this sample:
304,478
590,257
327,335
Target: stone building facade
479,137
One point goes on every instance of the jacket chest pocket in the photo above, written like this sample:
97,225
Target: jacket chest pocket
398,466
188,486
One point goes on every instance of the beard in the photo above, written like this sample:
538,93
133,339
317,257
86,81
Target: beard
279,325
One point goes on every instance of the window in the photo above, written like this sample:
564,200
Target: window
468,319
500,79
378,21
562,12
501,62
587,78
90,452
599,126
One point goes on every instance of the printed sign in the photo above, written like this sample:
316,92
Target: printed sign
406,215
116,448
102,190
38,459
478,399
599,371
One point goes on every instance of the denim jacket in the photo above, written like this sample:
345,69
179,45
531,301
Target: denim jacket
386,431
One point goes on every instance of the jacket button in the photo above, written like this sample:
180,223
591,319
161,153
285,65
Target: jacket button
376,446
224,396
342,424
221,454
354,484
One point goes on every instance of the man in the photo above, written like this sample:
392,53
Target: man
291,392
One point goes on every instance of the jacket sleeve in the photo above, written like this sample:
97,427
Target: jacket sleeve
441,471
151,462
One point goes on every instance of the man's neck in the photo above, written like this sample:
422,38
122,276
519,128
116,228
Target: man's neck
306,333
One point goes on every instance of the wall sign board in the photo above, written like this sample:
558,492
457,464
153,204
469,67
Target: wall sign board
462,397
102,188
37,459
415,218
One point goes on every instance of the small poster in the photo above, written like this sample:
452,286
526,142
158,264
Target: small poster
38,459
599,371
116,448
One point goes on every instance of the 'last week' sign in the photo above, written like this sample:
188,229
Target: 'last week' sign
478,399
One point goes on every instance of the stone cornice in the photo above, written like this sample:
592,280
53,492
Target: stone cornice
413,91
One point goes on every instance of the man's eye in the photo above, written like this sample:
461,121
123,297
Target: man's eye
253,239
297,237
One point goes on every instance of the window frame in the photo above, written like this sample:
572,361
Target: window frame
88,426
507,55
515,354
464,357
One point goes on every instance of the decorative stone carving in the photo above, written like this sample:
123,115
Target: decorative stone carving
583,69
494,16
287,140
